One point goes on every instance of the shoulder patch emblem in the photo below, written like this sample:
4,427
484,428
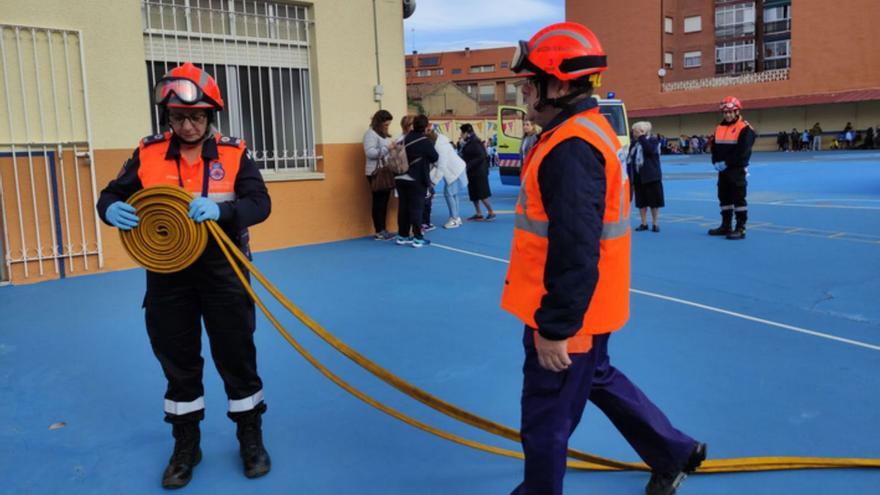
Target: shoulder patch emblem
155,138
230,141
216,171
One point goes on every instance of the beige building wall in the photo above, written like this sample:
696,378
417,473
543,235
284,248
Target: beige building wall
349,57
449,97
114,57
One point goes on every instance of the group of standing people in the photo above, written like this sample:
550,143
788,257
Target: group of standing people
432,159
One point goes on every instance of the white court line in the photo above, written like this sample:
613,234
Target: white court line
784,203
701,306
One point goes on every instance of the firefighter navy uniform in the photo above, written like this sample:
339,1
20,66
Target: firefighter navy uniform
733,147
175,304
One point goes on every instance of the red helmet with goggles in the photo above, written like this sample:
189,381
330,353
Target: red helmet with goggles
565,50
730,103
187,86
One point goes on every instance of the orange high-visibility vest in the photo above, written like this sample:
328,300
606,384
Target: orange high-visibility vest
729,134
155,169
608,309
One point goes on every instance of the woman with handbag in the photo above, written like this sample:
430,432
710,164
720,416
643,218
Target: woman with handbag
377,142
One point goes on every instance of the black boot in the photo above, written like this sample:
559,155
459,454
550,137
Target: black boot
726,221
737,234
668,483
250,438
721,230
185,456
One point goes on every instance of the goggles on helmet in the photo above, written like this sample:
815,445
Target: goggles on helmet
520,56
185,90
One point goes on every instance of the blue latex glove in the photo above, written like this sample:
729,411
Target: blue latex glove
201,209
720,166
122,216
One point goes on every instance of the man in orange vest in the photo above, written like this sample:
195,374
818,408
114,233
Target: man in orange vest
228,188
731,150
568,278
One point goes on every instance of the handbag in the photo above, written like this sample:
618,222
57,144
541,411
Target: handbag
383,178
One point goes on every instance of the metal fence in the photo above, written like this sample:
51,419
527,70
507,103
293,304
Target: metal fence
259,53
47,175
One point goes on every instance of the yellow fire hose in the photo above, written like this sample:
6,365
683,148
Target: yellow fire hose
167,241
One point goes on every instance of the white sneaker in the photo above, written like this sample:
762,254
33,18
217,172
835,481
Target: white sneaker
452,223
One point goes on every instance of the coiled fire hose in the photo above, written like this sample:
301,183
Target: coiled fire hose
167,241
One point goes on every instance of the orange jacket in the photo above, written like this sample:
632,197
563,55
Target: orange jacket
729,134
216,181
608,309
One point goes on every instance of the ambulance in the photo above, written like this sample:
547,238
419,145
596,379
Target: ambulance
509,135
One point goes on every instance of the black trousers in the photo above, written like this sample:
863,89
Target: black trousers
732,198
380,206
175,306
429,203
411,204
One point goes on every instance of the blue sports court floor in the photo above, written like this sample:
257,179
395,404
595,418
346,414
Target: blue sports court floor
770,346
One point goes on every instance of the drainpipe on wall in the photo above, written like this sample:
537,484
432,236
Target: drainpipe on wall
378,90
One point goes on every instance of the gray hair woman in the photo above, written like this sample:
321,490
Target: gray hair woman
645,176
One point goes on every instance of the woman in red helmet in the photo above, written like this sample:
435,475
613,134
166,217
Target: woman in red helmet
731,150
228,188
568,277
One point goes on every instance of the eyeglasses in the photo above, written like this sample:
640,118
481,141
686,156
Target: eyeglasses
177,119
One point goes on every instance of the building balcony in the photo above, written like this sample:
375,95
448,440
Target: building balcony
735,30
777,63
727,80
774,27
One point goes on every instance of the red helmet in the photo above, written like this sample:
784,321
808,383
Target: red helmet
730,103
187,86
565,50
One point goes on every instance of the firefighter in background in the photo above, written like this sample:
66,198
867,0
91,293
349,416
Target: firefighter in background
568,278
731,150
227,187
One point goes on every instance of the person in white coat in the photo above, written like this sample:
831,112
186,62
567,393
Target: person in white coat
450,169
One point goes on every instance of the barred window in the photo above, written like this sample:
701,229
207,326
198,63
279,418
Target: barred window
259,53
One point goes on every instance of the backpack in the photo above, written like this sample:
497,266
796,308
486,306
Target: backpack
396,160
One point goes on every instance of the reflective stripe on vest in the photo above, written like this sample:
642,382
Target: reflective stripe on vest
220,172
729,134
524,287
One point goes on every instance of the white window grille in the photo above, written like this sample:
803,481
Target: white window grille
47,171
423,73
259,53
693,24
692,59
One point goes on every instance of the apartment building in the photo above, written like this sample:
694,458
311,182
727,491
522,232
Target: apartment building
792,62
483,74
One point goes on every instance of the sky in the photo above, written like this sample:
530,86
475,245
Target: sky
448,25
